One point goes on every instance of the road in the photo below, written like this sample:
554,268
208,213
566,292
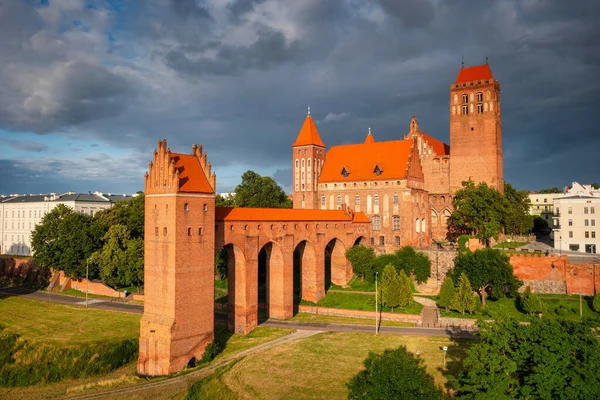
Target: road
139,309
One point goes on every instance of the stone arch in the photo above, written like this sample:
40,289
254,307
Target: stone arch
270,280
305,273
237,293
434,218
445,216
360,241
336,263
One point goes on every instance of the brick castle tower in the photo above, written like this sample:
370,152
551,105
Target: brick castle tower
475,129
308,157
178,319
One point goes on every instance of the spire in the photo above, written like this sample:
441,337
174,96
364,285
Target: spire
308,135
369,139
414,125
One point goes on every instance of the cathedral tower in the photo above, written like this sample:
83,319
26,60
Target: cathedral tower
308,156
476,129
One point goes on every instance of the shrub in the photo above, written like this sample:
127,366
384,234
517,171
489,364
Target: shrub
596,302
446,293
395,374
463,299
211,351
530,303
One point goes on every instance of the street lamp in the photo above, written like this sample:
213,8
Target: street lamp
376,327
445,348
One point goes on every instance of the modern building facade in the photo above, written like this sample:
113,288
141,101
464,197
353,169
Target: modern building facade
405,186
542,205
19,214
577,220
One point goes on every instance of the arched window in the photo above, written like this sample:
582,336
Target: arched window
357,200
189,231
479,108
339,200
423,226
308,162
186,207
376,200
417,225
479,96
434,218
465,109
395,199
303,163
396,223
445,216
322,201
376,223
296,163
465,98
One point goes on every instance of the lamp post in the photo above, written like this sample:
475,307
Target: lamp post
87,282
376,327
445,348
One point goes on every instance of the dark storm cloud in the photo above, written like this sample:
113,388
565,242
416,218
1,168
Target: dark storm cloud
238,76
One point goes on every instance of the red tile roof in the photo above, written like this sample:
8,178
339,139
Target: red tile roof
475,73
308,134
360,161
369,139
284,214
191,175
440,148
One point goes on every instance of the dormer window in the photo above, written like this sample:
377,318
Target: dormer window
378,171
345,172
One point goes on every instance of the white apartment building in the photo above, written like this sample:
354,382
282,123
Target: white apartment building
543,205
19,214
577,220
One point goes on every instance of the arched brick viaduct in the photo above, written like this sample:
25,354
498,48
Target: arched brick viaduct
184,230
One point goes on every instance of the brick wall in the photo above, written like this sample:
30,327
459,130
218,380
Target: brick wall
82,285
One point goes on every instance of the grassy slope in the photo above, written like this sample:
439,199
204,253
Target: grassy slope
319,366
50,322
354,301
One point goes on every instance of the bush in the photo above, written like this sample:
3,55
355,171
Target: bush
211,351
596,302
530,303
446,293
395,374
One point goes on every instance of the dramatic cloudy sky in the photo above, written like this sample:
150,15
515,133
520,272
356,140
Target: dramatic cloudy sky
87,88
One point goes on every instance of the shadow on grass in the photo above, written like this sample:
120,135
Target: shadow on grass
455,355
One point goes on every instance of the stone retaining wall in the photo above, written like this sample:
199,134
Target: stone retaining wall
339,312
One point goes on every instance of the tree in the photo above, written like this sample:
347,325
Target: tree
530,303
260,191
121,259
384,260
221,264
222,201
550,190
596,186
478,210
547,359
395,374
463,297
596,302
446,293
390,287
414,262
362,259
64,240
540,226
517,220
405,291
489,271
125,212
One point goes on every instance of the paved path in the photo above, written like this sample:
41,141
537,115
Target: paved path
131,391
429,316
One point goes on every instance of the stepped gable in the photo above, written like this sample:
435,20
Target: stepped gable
474,73
308,134
366,161
439,148
413,166
179,173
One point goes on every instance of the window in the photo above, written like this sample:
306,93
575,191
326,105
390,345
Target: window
397,240
303,163
587,235
378,171
465,110
156,231
345,172
585,210
189,231
570,210
308,163
396,223
479,96
357,200
205,207
372,241
570,234
593,235
199,231
465,98
586,222
592,210
339,200
377,223
593,222
382,240
395,199
417,226
479,108
296,163
322,201
376,200
570,222
545,200
574,247
186,207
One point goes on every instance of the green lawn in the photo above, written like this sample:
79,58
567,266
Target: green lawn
221,284
78,293
328,319
354,301
319,366
51,322
513,245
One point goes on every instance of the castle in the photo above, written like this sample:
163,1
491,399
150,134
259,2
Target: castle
406,186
